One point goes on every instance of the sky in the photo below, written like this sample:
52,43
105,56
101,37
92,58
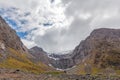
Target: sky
59,25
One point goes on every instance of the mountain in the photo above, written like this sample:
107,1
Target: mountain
98,52
9,38
13,53
39,55
55,60
101,44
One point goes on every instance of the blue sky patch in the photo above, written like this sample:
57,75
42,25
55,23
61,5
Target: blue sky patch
22,34
11,22
15,26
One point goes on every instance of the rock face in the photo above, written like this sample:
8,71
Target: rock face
9,38
39,55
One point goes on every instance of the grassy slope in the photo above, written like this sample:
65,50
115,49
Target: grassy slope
16,60
101,61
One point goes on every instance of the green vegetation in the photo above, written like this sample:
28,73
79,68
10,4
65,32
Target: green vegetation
55,72
16,60
112,60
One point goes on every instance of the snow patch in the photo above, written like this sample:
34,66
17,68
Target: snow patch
59,69
53,58
50,65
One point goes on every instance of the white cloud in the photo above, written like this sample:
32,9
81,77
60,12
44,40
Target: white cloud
28,43
40,12
59,25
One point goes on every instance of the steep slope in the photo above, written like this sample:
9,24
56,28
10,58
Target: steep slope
100,51
13,53
9,38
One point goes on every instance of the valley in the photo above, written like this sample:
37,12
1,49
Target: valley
95,58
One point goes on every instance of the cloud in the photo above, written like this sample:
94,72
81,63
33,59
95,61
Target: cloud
59,25
28,43
104,13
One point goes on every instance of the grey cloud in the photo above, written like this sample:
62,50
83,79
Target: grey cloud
97,9
89,5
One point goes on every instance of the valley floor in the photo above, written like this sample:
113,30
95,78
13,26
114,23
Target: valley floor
19,75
